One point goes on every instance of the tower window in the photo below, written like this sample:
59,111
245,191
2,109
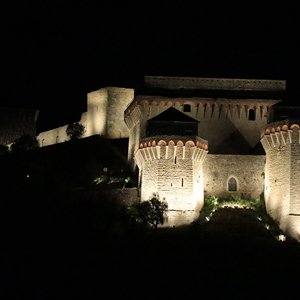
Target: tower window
251,114
187,108
232,185
181,181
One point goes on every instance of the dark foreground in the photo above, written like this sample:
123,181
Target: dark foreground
71,257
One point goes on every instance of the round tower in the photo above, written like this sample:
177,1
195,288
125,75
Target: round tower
105,112
172,167
281,142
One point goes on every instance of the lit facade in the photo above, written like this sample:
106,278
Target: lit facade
192,137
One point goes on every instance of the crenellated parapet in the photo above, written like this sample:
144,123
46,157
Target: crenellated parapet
280,134
166,147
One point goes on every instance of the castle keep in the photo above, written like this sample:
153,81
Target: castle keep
192,137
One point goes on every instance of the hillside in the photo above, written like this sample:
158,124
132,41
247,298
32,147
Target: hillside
62,241
71,254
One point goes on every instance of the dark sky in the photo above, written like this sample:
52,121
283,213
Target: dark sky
54,54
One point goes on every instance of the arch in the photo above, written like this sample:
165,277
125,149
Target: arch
180,143
232,184
285,128
154,143
171,143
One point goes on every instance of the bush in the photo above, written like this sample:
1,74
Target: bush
75,131
149,213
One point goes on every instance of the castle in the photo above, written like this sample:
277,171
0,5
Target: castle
191,137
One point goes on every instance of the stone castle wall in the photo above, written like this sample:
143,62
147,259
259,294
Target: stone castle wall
226,124
105,113
104,116
248,171
53,136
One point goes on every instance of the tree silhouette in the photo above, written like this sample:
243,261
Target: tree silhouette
75,130
150,213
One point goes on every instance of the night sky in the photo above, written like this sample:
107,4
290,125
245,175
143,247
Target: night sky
54,54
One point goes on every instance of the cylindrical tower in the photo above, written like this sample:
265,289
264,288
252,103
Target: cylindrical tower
171,166
281,142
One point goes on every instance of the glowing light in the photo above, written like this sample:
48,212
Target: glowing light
281,237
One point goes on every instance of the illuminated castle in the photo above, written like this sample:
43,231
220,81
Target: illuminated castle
191,137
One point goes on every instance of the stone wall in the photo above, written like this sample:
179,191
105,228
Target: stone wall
104,116
53,136
119,99
247,170
225,123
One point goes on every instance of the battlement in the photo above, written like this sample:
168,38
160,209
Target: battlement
167,82
169,147
280,134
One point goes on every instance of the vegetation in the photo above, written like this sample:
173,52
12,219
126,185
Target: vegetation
149,213
75,130
213,204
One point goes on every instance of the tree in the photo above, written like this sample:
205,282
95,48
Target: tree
150,213
75,130
24,143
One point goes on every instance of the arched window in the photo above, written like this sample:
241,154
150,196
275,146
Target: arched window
251,114
232,185
187,108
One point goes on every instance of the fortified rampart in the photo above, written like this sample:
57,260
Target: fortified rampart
104,116
105,112
223,122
